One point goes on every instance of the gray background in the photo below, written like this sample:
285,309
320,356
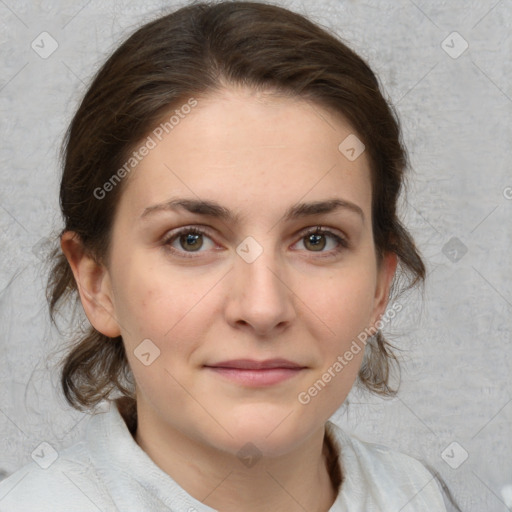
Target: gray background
455,110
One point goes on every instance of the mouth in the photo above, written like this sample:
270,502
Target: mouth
248,372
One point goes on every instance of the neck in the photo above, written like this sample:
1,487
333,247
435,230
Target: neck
221,481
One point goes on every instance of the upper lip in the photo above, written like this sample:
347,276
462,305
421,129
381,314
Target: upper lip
251,364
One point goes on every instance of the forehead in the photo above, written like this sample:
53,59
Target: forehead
246,148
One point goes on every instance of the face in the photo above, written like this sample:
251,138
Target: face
245,303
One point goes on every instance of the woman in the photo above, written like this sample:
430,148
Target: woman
229,194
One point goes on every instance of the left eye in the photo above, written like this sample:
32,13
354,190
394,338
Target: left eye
316,239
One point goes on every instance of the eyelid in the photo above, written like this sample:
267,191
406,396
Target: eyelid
324,230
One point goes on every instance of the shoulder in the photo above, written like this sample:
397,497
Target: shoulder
55,482
387,476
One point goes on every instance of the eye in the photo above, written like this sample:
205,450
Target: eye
188,239
314,240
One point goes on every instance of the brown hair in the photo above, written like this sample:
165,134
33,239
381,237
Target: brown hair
191,52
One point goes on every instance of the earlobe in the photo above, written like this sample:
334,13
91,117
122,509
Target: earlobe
93,282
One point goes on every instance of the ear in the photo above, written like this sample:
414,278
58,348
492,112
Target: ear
385,275
93,282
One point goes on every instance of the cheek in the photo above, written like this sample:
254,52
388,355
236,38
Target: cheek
166,305
344,305
163,309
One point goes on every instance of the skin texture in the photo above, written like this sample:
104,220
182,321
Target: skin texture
256,154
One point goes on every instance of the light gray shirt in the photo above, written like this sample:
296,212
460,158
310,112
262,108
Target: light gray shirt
107,471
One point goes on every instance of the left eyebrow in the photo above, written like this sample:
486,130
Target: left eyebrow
214,209
300,210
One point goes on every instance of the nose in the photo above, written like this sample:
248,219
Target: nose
259,297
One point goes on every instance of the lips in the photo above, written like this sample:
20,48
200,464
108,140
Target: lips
251,373
250,364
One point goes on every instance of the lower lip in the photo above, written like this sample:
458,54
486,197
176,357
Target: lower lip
255,378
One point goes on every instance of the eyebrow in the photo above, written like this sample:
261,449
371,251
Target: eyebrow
214,209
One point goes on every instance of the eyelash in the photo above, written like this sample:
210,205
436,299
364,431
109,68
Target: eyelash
318,230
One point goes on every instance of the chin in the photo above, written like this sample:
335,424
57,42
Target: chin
272,434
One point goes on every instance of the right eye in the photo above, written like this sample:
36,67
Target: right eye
187,238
